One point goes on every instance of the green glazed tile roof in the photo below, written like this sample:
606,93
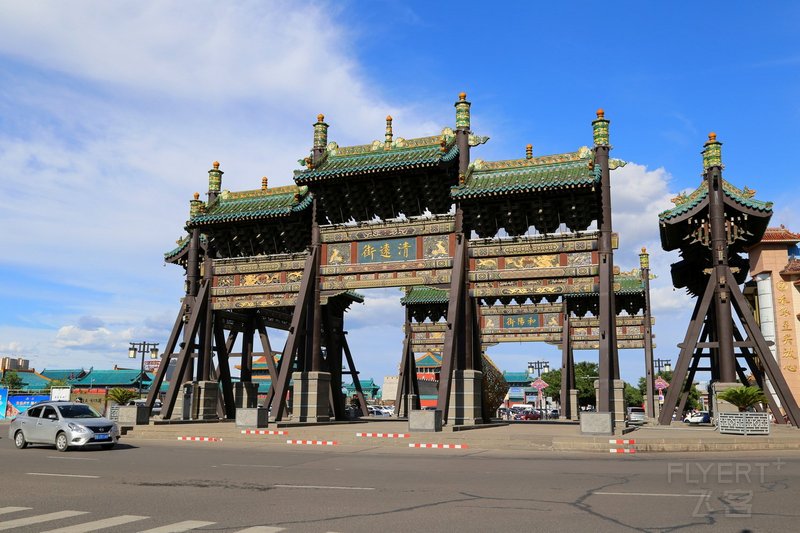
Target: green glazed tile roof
528,175
32,381
404,154
686,202
69,374
425,295
628,284
429,360
111,378
182,244
253,205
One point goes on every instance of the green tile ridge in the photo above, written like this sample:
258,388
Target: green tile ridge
425,295
686,202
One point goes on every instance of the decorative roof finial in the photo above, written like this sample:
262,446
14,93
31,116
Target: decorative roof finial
462,112
195,205
214,180
600,129
320,134
387,145
712,152
529,151
644,259
264,183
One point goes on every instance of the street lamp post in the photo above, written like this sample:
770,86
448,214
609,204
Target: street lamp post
538,367
142,348
664,364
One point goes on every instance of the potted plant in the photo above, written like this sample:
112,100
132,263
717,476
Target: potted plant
743,422
125,413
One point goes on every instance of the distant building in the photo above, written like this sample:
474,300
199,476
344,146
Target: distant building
368,386
13,363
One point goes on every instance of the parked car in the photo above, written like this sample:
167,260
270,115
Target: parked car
636,416
700,417
528,415
555,413
63,424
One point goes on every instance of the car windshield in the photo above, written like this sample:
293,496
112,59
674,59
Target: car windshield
78,411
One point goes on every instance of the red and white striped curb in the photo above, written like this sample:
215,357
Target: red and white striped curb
622,441
202,439
452,446
385,435
314,442
264,432
622,450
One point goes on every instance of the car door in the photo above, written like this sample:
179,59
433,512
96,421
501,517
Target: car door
47,427
28,421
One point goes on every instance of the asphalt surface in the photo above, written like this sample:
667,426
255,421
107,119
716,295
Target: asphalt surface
232,486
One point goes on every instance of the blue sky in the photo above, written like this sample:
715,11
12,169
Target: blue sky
111,114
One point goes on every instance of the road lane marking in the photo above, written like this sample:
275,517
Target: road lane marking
321,487
72,458
261,529
6,510
179,526
19,522
61,475
99,524
252,466
647,494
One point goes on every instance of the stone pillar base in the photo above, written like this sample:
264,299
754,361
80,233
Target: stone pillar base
310,399
206,398
465,398
574,408
408,403
245,395
617,402
178,410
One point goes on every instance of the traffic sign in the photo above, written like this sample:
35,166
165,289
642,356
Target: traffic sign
661,383
539,384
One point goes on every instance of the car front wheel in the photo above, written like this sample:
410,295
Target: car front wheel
19,440
61,442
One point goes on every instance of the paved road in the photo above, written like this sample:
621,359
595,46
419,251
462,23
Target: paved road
180,486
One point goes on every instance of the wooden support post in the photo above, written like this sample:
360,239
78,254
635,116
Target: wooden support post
454,327
567,366
765,354
699,316
185,355
277,400
166,355
224,370
758,373
354,374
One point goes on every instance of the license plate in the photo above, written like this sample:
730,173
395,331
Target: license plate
101,436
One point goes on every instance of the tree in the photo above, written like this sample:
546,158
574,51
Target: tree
11,380
553,380
633,396
585,375
742,397
122,396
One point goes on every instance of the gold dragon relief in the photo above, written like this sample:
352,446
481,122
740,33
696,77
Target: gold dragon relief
579,259
531,261
263,278
224,281
338,254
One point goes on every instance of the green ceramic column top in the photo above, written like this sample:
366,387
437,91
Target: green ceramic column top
712,152
320,133
462,112
644,259
195,206
387,145
215,178
600,129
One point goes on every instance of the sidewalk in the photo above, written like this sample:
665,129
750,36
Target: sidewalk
539,436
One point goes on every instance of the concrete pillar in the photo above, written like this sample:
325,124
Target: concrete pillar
310,400
466,398
573,402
